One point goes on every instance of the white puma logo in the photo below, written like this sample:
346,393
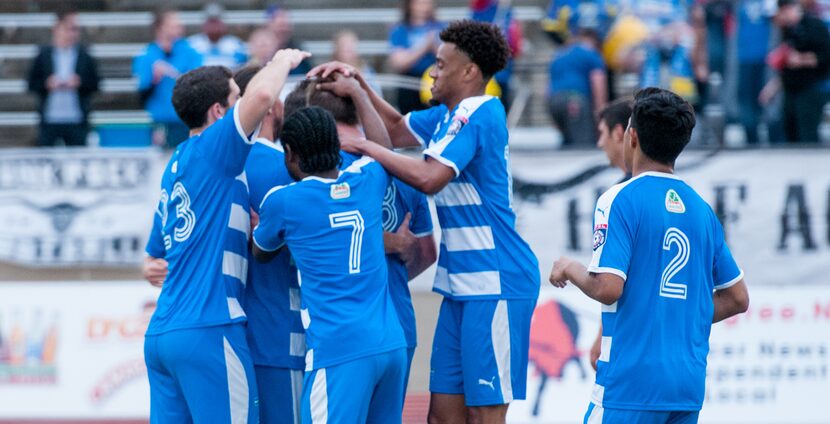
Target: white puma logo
484,382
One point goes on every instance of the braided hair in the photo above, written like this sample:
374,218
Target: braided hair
311,134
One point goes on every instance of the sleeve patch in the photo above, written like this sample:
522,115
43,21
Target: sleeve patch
600,233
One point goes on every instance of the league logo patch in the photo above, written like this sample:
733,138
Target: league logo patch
674,203
600,232
457,124
340,191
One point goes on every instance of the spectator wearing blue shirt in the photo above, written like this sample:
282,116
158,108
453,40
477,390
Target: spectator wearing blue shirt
157,69
753,33
577,88
500,13
413,42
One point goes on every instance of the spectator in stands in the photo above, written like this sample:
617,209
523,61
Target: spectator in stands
216,46
564,17
803,62
754,28
279,23
346,51
500,13
413,42
261,46
157,68
64,76
578,88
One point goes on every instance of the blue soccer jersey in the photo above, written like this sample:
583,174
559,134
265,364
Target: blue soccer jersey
202,229
334,231
400,199
661,237
272,295
481,254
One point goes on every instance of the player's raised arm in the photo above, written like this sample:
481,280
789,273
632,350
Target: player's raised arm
265,87
392,119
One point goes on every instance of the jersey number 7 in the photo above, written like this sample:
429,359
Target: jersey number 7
355,220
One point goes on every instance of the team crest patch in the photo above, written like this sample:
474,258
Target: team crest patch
457,124
600,233
674,203
340,191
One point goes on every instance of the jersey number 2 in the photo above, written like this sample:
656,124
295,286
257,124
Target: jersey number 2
667,287
355,220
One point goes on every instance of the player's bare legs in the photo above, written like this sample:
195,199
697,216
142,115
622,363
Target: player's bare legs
492,414
446,409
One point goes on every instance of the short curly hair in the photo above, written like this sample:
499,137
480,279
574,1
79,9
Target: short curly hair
483,43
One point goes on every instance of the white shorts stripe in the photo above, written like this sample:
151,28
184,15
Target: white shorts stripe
475,283
237,385
240,219
235,266
458,194
596,415
605,349
234,308
468,238
294,299
597,395
609,308
296,393
297,344
500,333
319,401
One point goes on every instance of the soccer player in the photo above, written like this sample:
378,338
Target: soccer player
331,222
198,362
272,293
407,224
662,271
613,119
487,274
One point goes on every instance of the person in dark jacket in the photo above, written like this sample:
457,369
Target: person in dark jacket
805,65
64,76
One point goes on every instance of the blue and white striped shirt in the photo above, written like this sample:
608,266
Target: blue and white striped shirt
481,254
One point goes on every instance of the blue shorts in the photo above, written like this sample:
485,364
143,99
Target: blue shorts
480,350
364,390
201,375
599,415
410,353
279,390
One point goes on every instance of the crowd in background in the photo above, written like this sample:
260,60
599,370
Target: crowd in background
764,63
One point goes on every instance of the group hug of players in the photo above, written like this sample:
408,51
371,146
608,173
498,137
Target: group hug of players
286,233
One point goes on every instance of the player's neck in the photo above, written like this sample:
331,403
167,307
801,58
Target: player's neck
642,165
345,130
331,174
465,93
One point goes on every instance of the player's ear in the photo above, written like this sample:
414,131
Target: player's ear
618,133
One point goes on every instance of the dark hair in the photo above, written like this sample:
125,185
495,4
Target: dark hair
305,93
483,43
63,12
196,91
311,134
616,113
159,15
244,76
406,7
664,123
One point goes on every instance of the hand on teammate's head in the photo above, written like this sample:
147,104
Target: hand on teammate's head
352,144
328,68
341,85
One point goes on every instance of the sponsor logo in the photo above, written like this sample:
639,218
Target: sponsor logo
340,191
600,232
28,347
674,203
128,327
116,378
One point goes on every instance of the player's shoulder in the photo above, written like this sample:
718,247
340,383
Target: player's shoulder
277,194
266,148
362,165
618,193
485,108
405,190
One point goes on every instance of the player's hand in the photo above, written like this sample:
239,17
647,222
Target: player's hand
293,56
558,275
341,85
154,271
328,68
407,242
595,351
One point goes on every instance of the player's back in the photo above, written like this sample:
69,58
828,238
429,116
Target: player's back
272,295
655,337
333,230
205,227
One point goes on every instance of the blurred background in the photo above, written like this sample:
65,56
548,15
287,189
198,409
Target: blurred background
86,127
